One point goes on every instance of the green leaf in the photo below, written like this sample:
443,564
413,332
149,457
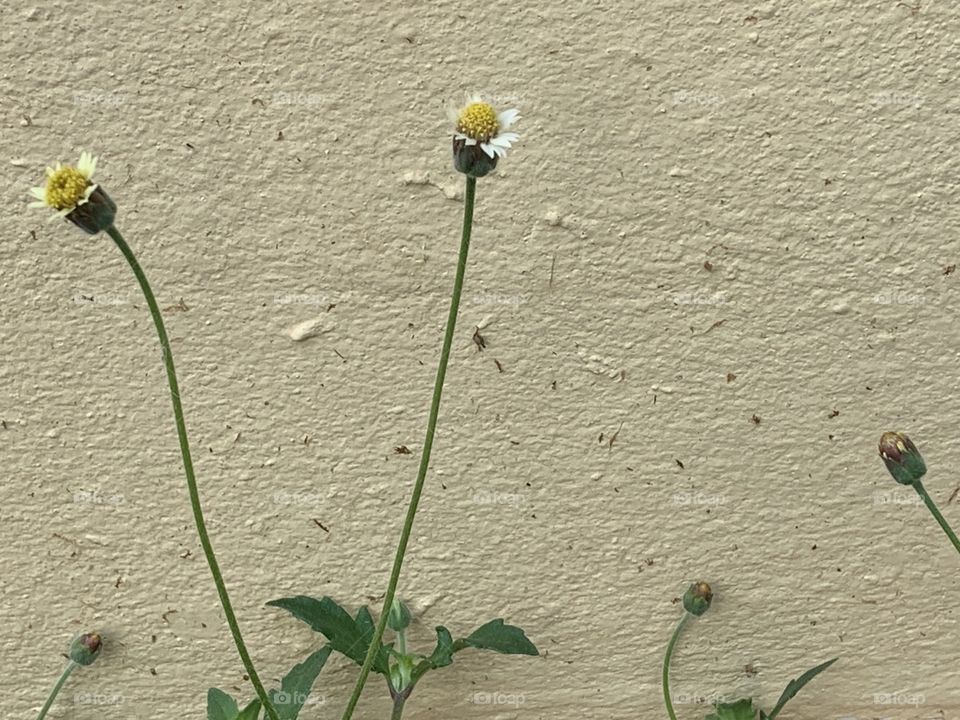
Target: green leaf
221,706
296,685
739,710
506,639
345,635
442,654
794,686
367,628
330,620
327,618
364,623
250,712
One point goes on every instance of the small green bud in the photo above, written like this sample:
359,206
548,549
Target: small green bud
399,617
84,649
697,598
902,458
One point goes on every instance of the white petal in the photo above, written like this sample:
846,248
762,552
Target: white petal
504,139
466,138
39,193
37,204
491,150
508,118
87,164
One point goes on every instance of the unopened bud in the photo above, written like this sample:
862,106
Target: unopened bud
697,598
399,617
84,649
902,458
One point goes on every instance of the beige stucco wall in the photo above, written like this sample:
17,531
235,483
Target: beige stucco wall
805,151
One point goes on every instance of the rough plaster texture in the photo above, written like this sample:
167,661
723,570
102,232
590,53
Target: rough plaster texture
702,191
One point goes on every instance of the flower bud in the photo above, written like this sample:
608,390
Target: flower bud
399,617
697,598
901,458
84,649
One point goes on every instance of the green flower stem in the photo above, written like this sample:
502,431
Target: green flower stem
666,664
188,470
398,704
932,506
71,666
468,203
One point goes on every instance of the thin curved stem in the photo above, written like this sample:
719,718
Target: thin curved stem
666,664
932,506
372,651
188,470
71,666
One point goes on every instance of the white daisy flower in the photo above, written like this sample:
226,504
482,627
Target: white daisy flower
71,192
477,123
67,187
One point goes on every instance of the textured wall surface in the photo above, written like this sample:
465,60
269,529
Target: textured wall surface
716,267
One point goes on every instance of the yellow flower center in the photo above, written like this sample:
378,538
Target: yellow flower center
65,188
478,121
